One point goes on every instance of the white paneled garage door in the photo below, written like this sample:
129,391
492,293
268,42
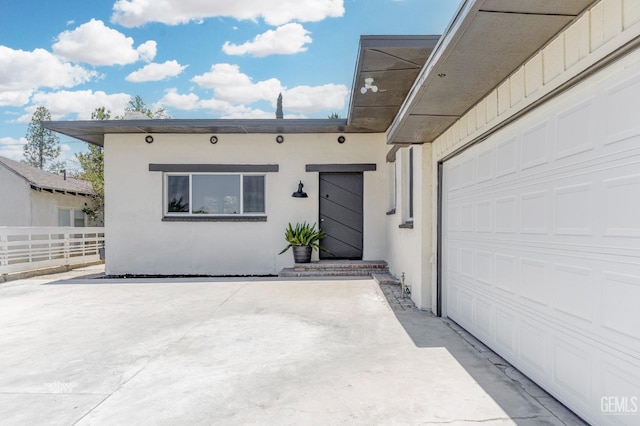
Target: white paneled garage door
541,244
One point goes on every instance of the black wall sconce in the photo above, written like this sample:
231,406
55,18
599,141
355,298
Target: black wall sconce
300,193
213,139
279,138
341,139
148,139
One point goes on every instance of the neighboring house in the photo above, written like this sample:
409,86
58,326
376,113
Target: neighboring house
498,169
33,197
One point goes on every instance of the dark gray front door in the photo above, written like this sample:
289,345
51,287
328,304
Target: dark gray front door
341,215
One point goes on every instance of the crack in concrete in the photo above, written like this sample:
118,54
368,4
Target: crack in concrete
110,395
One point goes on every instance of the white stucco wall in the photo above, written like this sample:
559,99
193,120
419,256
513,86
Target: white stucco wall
23,206
15,208
409,249
45,205
139,242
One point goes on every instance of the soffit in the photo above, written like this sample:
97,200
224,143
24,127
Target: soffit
486,42
393,62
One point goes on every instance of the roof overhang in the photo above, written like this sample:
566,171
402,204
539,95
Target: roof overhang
486,41
93,131
391,64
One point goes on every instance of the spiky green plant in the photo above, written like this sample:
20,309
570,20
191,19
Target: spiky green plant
303,234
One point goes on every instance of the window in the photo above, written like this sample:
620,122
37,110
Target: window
64,217
392,195
71,217
78,218
214,194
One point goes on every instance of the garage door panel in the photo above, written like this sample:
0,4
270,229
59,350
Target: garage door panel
622,215
484,319
541,242
620,295
571,359
622,102
575,134
534,148
505,330
533,346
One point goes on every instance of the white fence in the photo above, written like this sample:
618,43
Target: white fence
25,249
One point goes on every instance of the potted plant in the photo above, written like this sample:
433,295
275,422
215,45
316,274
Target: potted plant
303,238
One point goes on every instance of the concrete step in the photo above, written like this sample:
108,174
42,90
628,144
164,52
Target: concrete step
341,265
337,268
291,272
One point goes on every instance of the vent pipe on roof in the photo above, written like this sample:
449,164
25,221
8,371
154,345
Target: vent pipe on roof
64,174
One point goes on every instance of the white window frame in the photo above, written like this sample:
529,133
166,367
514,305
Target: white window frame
191,214
72,217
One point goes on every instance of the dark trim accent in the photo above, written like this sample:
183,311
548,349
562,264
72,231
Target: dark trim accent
199,168
333,168
406,225
439,241
235,218
411,182
390,212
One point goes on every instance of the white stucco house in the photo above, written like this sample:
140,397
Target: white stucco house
499,169
34,197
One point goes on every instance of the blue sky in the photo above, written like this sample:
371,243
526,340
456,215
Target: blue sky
195,58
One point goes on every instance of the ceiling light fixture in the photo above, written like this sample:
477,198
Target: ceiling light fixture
368,85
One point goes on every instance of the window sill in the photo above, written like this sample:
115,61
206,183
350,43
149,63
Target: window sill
234,218
406,225
390,212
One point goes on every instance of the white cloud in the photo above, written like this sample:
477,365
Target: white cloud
147,50
81,103
156,72
175,100
12,148
234,92
229,84
309,99
285,40
23,72
97,44
133,13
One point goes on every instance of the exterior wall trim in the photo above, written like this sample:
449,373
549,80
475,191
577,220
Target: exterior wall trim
364,167
235,218
215,168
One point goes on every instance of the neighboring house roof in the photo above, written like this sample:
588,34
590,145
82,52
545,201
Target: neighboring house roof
424,83
51,182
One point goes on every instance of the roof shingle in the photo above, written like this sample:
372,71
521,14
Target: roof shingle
39,179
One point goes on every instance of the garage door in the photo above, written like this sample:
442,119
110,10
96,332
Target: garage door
541,244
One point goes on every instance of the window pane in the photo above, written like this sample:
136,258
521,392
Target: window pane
64,217
78,218
216,194
253,194
178,194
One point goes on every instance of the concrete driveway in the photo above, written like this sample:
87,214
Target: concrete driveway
77,350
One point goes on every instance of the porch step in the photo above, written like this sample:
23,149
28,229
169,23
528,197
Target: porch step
337,268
